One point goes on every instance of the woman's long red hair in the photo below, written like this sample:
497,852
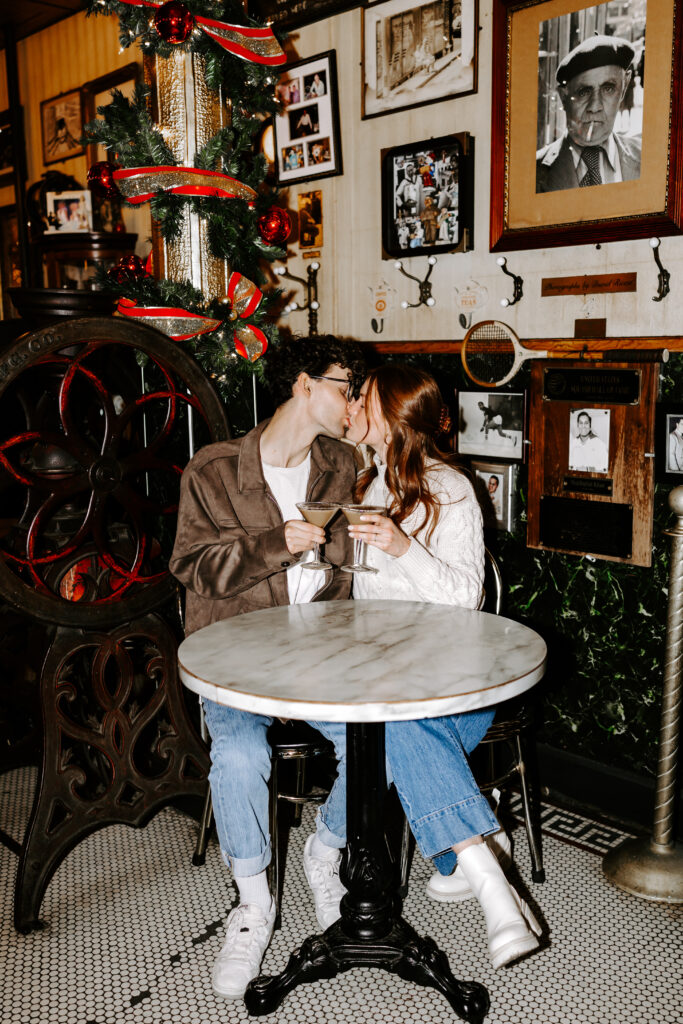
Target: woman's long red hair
412,405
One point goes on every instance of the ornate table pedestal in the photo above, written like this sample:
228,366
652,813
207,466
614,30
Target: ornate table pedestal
364,662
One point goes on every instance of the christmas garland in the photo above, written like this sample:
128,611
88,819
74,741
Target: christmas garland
225,186
141,21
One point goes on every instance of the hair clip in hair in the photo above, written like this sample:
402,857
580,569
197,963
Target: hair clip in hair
445,422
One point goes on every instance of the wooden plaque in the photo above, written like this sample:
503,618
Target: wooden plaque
591,472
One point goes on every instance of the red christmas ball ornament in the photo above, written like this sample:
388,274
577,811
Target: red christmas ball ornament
275,226
129,268
101,180
173,22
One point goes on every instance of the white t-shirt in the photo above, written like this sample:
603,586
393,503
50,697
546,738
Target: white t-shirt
289,485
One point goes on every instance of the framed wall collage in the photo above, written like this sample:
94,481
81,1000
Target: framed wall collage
307,137
427,197
544,53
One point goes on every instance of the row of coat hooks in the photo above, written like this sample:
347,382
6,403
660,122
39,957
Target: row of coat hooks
425,297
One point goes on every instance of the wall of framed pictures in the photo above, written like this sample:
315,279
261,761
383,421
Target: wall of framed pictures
352,268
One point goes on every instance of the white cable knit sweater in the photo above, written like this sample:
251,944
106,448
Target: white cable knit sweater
448,571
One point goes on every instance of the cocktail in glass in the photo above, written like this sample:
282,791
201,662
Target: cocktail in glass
319,513
353,513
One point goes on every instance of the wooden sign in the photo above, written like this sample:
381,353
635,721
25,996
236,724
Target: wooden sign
589,285
591,484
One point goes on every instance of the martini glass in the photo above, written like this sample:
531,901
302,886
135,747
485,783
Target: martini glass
353,513
319,513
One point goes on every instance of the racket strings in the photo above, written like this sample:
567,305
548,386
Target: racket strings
488,353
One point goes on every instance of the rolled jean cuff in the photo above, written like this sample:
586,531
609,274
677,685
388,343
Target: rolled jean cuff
327,837
243,866
439,831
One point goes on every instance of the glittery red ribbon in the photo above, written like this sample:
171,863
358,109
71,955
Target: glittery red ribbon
244,296
257,45
178,324
250,342
140,184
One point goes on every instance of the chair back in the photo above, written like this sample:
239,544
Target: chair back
493,584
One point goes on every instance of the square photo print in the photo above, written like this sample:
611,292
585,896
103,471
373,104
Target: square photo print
491,424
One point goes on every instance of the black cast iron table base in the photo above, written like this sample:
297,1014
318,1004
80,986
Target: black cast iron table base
370,932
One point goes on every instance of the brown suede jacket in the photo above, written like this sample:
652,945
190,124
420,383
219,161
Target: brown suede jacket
230,550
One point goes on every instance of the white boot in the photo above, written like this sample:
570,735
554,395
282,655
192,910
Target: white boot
454,887
512,928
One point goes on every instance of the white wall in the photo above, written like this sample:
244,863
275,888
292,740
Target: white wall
351,254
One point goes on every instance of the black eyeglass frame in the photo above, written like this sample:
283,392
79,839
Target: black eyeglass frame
350,390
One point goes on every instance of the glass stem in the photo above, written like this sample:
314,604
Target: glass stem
358,551
316,553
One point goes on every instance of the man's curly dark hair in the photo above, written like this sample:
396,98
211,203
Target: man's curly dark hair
314,356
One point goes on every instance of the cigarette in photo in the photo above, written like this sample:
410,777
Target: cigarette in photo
590,131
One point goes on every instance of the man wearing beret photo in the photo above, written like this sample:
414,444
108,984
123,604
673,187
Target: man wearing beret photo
592,81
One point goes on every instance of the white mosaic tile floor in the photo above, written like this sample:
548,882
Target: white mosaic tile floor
132,930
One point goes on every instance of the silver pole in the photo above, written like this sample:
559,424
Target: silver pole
653,868
253,390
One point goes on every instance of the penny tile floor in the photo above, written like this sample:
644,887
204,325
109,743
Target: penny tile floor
132,929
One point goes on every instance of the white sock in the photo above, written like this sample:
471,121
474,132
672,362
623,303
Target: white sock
323,852
254,889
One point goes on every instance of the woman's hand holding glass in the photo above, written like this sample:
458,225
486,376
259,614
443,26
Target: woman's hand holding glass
379,531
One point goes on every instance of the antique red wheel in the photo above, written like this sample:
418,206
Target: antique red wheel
98,417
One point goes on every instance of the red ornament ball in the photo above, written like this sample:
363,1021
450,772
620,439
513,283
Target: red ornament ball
129,268
275,226
101,180
173,22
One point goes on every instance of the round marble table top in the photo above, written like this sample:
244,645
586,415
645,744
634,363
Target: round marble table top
362,661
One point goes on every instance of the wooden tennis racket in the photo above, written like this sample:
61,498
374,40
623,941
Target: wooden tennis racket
492,354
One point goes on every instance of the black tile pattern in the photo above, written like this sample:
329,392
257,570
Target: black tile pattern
571,828
133,928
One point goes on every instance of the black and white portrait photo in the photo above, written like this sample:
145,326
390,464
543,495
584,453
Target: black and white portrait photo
590,96
589,440
674,448
494,485
491,423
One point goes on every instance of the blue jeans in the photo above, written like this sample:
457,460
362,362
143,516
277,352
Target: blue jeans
426,760
240,770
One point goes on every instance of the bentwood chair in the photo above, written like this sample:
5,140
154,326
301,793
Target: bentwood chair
505,744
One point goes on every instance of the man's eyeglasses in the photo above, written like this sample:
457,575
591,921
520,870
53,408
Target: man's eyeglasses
349,392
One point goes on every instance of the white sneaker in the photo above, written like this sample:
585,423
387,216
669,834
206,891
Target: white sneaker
247,934
323,878
454,887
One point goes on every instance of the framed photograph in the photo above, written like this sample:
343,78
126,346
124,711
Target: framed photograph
69,211
588,440
669,443
495,486
427,197
587,126
307,140
491,423
310,208
293,13
416,52
61,119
